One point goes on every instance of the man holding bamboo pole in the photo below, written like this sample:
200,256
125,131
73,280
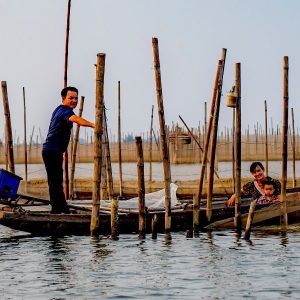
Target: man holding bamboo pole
56,143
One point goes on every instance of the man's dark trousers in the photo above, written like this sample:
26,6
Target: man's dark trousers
53,162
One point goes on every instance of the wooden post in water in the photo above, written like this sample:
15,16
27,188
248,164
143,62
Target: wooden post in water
284,217
25,140
141,187
266,139
150,147
237,217
110,186
207,139
114,203
212,153
119,141
249,220
99,107
163,138
294,149
74,152
8,131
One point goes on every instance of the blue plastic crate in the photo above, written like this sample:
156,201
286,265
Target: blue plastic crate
9,184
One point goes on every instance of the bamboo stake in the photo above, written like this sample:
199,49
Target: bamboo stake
99,107
103,193
212,153
233,150
74,152
249,220
108,160
266,139
284,218
150,146
25,140
294,149
8,135
163,139
119,140
207,138
237,218
66,156
114,217
141,187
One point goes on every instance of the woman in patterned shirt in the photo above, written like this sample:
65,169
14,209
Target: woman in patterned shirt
254,188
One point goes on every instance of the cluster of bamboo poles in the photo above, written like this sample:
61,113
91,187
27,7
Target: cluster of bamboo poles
102,162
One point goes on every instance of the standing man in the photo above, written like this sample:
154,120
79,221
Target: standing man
56,144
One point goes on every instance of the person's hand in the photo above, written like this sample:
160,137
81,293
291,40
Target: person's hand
231,200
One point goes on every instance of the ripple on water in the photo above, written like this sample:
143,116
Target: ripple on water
215,265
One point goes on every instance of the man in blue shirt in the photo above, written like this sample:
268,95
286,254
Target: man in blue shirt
56,144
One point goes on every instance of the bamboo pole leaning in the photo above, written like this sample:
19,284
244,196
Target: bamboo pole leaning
8,130
284,218
206,145
74,152
141,187
25,141
213,146
150,147
163,139
114,203
99,107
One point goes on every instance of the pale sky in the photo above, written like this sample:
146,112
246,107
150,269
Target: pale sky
191,34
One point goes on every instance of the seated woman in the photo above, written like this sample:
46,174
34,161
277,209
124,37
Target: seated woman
254,188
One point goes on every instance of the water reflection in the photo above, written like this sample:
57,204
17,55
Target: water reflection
99,248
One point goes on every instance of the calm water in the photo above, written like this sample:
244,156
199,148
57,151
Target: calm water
215,266
179,172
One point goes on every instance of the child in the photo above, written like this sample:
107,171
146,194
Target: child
269,193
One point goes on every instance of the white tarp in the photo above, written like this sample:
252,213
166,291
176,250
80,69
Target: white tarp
152,200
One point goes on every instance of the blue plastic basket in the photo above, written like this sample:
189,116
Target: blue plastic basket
9,184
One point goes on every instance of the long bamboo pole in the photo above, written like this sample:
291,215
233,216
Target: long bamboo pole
163,139
238,140
119,141
8,131
150,146
114,203
66,155
207,140
110,186
266,139
141,187
284,217
25,140
74,152
213,146
233,150
293,149
99,107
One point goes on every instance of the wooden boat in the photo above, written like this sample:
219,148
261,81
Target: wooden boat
78,222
